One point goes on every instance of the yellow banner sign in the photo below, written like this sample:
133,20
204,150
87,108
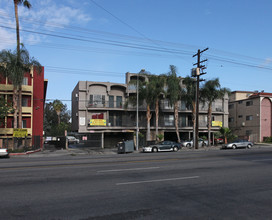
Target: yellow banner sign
217,123
19,132
98,122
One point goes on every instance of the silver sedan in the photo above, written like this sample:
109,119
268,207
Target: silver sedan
238,144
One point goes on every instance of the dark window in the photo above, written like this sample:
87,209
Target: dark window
249,117
231,106
240,102
240,116
111,101
231,119
249,103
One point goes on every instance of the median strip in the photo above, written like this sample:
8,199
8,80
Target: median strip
159,180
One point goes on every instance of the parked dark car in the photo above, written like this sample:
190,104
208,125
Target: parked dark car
163,146
238,144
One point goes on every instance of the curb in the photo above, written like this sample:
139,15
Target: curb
25,153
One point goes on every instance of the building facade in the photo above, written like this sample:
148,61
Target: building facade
33,98
250,115
102,115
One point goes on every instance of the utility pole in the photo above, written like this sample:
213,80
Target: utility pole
196,73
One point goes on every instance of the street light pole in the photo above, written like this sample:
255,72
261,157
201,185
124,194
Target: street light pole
137,114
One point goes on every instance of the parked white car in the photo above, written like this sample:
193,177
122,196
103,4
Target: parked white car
4,152
72,140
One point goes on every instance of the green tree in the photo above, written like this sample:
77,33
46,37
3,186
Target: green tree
14,69
174,94
5,108
210,92
58,107
156,84
227,134
51,126
188,94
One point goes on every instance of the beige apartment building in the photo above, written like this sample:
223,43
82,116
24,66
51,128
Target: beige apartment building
250,114
102,115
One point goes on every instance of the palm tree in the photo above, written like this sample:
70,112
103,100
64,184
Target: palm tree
14,69
27,5
58,107
156,84
210,92
226,133
188,94
174,94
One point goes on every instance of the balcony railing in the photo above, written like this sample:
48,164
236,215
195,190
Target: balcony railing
164,105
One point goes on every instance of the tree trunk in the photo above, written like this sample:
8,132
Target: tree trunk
17,26
15,101
157,118
20,119
209,123
18,58
176,121
148,118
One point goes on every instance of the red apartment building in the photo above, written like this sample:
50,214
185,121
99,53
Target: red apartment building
33,98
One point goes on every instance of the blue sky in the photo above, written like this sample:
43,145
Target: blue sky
101,40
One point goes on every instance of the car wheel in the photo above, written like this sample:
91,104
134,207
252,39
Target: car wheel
154,149
175,149
249,146
188,145
234,146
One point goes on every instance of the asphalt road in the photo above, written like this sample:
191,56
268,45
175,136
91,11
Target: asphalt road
222,184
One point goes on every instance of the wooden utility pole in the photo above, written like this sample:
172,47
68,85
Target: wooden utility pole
197,74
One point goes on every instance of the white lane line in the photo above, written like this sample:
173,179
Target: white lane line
131,169
261,160
159,180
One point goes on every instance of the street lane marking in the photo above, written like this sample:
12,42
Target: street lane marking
262,160
159,180
120,170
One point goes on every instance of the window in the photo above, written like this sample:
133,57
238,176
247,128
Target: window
24,124
169,120
249,117
97,100
240,102
231,119
231,106
240,116
111,101
25,81
249,103
24,102
119,101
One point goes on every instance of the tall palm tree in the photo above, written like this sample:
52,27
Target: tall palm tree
156,84
58,107
14,69
188,94
210,92
27,5
174,94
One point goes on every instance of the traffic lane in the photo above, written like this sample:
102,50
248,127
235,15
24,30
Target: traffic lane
95,192
212,193
104,159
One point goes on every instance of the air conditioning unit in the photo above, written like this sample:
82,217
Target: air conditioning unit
76,95
76,114
243,124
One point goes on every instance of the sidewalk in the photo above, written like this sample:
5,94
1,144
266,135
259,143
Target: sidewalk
106,151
